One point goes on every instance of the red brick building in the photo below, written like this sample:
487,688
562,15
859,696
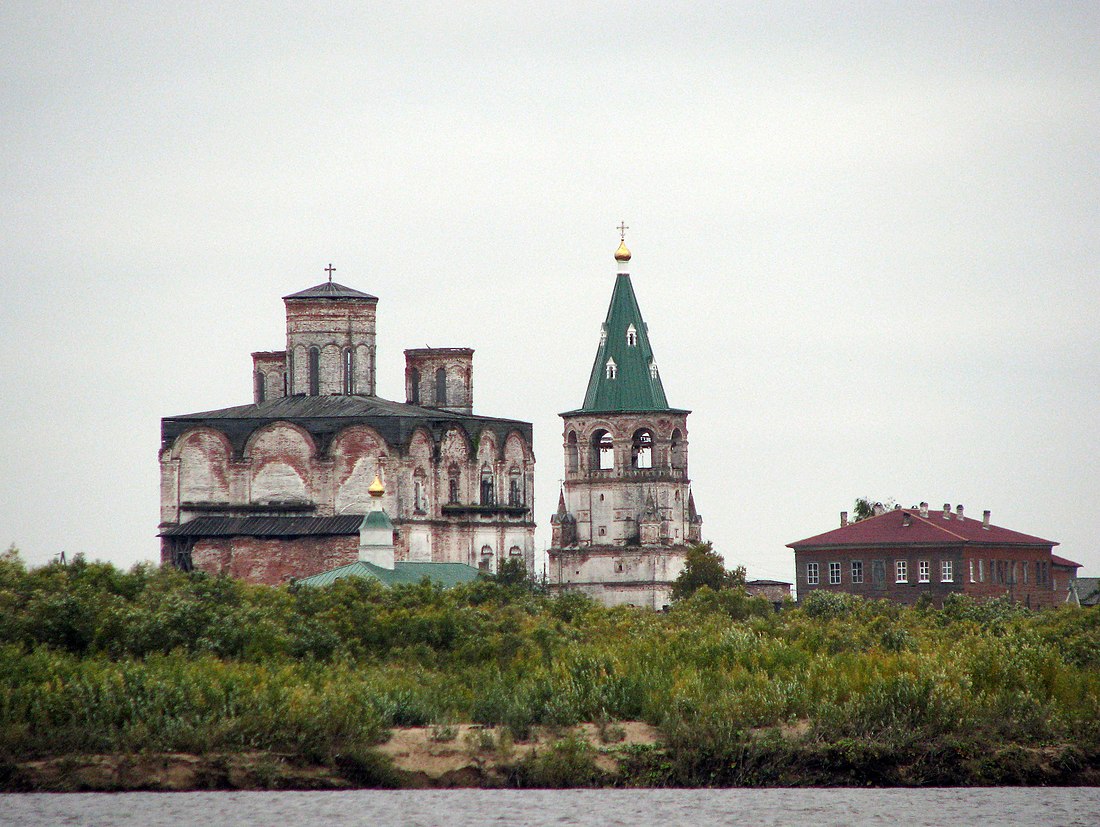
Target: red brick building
907,552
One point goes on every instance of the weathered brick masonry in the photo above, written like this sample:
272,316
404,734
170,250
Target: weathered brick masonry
257,491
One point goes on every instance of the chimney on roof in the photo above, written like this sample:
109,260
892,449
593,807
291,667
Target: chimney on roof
985,519
905,518
843,518
947,511
958,512
924,510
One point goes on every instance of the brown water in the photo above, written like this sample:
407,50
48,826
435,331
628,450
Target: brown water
669,808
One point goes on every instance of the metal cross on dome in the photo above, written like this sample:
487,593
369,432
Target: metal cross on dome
622,228
330,270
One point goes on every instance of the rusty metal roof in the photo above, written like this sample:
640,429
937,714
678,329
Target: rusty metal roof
331,290
324,416
906,526
266,526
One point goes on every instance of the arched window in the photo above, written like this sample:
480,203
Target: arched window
314,371
515,551
486,561
611,368
652,370
515,488
603,451
414,386
488,494
261,394
441,386
349,371
572,455
452,484
420,501
676,449
641,449
631,336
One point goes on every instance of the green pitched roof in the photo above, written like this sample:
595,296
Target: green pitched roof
445,574
635,386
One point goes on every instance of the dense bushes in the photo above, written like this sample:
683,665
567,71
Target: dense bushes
96,659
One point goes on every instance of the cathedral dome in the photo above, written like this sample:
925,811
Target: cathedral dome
622,254
376,488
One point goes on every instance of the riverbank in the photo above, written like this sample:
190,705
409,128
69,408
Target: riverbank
182,681
623,754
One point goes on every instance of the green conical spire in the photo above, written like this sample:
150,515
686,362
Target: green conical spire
624,375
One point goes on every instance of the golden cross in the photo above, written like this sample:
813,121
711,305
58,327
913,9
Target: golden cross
622,228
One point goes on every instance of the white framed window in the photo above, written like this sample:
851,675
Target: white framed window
652,370
834,574
611,368
1025,567
981,571
857,571
901,571
631,336
812,577
923,571
947,571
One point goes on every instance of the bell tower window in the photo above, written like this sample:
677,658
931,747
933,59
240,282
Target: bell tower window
441,386
641,452
612,368
603,449
349,376
631,336
314,371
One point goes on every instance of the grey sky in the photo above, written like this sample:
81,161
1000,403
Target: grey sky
864,234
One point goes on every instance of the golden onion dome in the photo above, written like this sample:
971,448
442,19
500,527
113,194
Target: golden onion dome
376,488
622,254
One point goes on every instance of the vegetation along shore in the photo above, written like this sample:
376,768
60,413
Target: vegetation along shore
157,679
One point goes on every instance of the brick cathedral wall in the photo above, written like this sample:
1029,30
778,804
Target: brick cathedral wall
273,561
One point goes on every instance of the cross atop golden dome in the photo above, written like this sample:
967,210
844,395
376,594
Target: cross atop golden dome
622,254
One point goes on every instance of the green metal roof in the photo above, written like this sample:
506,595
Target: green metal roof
445,574
636,387
377,519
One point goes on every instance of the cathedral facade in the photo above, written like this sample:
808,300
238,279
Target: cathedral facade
277,489
626,515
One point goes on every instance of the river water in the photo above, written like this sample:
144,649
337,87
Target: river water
669,808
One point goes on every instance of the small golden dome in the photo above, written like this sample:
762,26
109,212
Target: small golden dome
622,254
376,488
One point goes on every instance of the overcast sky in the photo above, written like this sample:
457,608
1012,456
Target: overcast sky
865,239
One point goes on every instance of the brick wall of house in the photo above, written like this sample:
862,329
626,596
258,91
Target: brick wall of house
987,575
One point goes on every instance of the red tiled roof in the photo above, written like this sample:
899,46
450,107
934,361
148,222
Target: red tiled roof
889,529
1062,561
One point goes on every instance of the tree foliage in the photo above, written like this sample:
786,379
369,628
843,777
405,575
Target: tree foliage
704,566
864,507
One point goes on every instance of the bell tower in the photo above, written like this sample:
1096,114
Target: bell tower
626,514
